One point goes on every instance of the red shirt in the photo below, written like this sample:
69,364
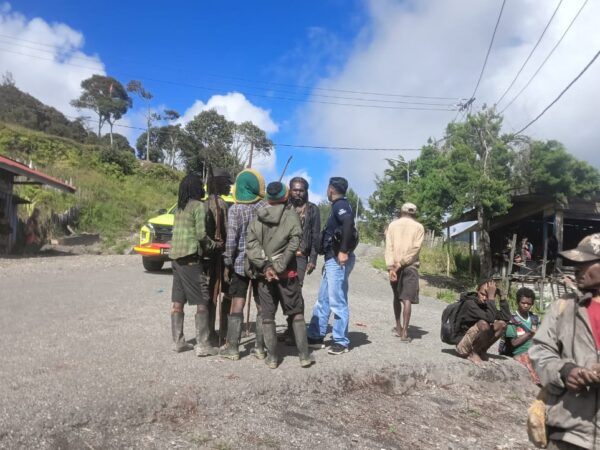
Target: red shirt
594,316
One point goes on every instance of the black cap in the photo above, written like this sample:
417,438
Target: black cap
339,184
220,172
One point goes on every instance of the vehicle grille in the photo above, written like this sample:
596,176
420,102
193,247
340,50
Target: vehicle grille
162,234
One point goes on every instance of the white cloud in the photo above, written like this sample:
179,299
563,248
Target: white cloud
436,48
235,107
39,56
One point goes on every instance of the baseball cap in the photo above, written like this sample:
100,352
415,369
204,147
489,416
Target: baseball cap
410,208
588,249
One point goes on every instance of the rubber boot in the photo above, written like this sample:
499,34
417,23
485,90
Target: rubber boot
203,347
290,335
302,342
177,330
225,310
234,327
271,343
259,344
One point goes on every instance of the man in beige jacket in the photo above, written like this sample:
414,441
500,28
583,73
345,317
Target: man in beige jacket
403,240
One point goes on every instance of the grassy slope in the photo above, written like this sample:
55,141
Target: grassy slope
112,203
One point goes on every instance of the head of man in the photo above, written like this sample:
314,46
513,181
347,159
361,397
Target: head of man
525,299
408,210
277,193
219,183
190,188
586,258
298,191
486,289
337,188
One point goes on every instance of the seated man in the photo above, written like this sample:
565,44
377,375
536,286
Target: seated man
520,331
480,323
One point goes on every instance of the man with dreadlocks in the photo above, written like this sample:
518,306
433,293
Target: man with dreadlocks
190,281
248,193
273,240
218,184
306,255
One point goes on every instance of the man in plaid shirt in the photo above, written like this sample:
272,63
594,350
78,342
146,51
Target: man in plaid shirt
248,191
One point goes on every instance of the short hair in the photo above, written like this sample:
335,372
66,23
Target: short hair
525,292
299,180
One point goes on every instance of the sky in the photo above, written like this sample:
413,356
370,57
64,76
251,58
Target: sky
333,73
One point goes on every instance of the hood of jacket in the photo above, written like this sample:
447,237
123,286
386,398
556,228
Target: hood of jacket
271,215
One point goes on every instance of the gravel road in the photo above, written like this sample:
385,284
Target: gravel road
86,362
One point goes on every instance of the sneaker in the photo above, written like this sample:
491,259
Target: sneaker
316,343
337,349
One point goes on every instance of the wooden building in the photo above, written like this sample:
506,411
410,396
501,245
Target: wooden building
14,173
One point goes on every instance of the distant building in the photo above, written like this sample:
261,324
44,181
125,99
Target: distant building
14,173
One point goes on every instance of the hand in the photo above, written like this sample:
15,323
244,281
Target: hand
393,275
310,267
342,258
490,290
227,274
219,244
270,274
580,378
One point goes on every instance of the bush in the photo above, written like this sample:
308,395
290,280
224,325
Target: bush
123,159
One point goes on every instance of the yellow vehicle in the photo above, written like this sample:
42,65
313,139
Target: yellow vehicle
155,238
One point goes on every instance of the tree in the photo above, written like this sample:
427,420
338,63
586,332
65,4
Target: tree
208,139
136,87
107,97
247,139
120,143
141,145
171,138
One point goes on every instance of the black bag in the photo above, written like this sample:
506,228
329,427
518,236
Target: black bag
337,240
449,330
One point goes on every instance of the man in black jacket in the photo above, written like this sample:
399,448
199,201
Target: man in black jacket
480,323
306,256
337,244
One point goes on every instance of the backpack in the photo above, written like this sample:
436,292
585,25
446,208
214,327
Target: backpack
449,330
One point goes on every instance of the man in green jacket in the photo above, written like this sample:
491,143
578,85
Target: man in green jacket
565,354
190,280
272,241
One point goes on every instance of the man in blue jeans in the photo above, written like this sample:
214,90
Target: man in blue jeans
338,240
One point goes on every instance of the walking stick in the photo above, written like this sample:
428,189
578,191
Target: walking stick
216,294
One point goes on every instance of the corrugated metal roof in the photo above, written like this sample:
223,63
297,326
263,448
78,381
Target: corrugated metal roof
21,169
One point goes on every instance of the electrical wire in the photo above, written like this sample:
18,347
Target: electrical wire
512,83
546,59
560,95
219,76
487,55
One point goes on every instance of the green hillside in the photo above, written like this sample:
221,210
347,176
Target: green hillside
115,192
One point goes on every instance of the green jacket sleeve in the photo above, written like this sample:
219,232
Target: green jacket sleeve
254,250
292,222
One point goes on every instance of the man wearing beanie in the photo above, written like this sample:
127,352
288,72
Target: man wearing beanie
272,241
339,238
248,192
403,240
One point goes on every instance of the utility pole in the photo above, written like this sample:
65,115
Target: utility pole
407,172
148,134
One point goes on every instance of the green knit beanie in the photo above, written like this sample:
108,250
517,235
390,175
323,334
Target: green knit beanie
249,186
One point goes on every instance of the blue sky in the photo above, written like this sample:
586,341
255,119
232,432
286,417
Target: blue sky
242,57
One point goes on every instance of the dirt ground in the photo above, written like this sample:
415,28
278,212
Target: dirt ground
86,363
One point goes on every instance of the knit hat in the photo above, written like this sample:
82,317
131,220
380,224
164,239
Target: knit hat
249,186
277,193
340,184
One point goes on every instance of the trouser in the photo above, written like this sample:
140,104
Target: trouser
333,298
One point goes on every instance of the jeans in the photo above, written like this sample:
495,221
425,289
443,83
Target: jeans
333,298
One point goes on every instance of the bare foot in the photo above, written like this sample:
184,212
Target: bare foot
484,356
397,331
474,358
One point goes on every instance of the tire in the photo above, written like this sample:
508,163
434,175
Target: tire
152,265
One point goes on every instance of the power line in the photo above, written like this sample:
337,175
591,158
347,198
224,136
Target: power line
297,86
530,53
546,59
374,149
487,55
270,97
561,94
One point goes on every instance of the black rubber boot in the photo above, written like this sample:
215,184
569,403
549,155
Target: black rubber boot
271,343
177,330
203,347
259,345
225,310
212,317
290,335
234,327
302,342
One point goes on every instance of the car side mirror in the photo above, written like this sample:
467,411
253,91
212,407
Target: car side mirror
162,211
